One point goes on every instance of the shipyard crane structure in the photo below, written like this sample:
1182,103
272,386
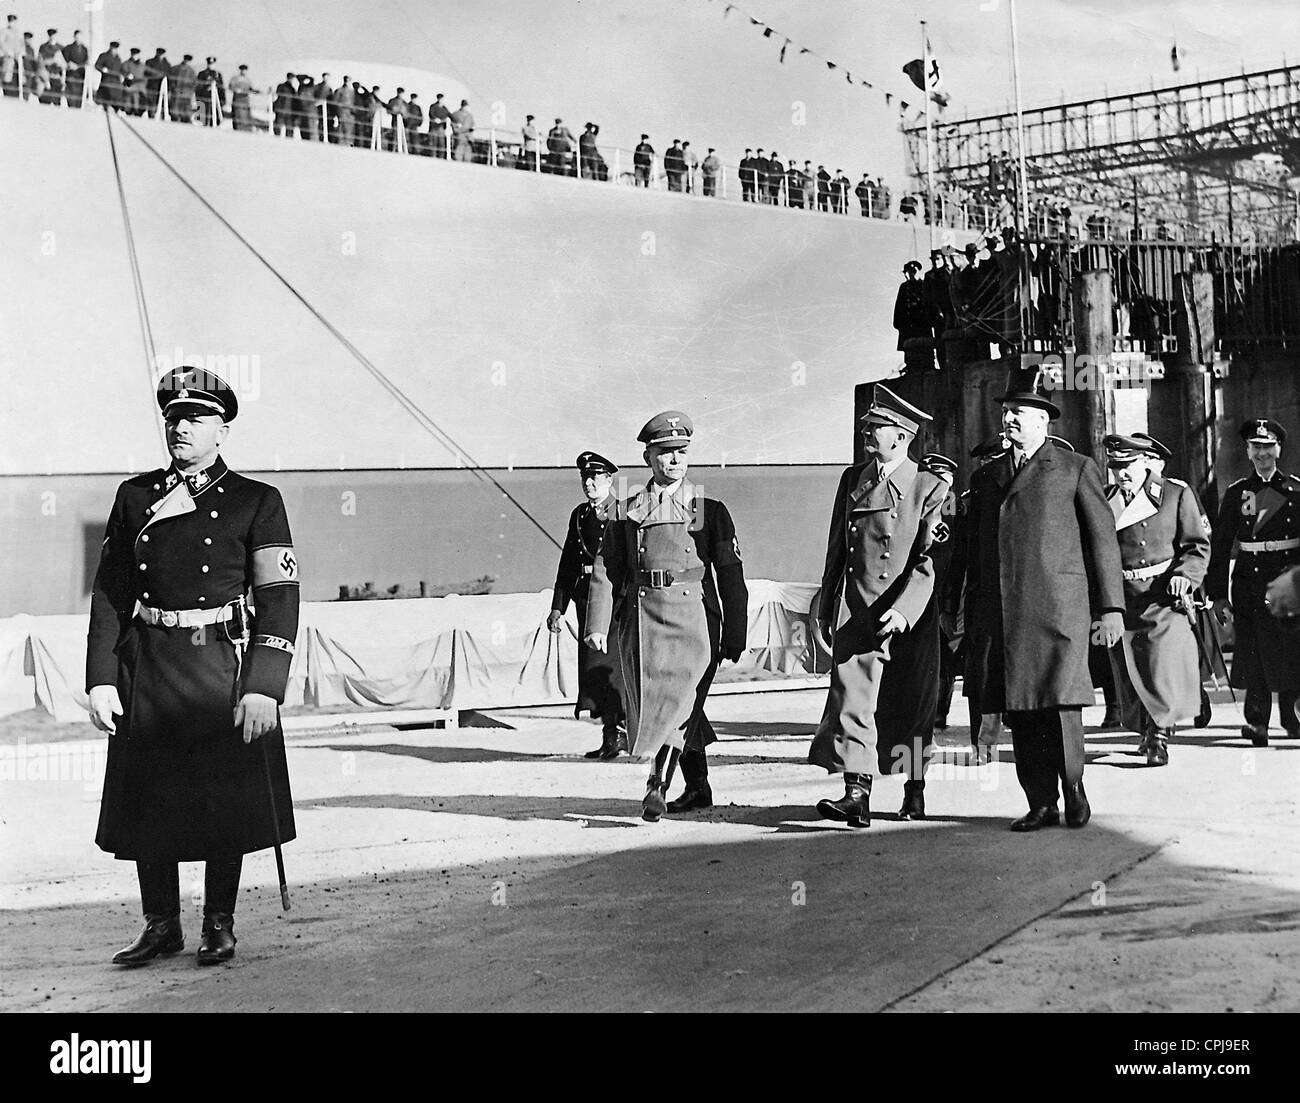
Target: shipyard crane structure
1216,158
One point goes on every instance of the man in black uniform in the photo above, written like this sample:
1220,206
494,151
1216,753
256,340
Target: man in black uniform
1261,515
282,107
913,319
748,177
643,161
600,682
670,563
210,90
187,691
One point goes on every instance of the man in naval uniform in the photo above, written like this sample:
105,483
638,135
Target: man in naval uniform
878,553
670,562
600,682
186,687
1164,546
1260,514
1042,581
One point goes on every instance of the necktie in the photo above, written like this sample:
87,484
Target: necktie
1128,496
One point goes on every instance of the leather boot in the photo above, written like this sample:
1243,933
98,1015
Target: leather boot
218,941
652,804
606,749
1157,747
161,935
1256,733
695,774
913,801
615,742
854,808
1111,718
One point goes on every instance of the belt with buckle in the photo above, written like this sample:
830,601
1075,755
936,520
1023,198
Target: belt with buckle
1139,573
1254,547
182,618
660,580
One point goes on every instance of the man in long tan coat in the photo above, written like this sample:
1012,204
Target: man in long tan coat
878,552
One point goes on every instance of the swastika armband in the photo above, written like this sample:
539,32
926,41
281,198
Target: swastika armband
278,642
275,565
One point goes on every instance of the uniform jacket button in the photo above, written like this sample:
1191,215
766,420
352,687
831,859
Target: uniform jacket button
221,490
145,594
884,555
214,513
850,570
893,515
207,539
202,598
145,538
205,568
144,566
885,575
1142,543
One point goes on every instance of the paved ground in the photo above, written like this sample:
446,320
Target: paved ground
491,868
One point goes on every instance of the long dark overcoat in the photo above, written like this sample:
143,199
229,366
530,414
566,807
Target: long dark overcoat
180,783
1042,562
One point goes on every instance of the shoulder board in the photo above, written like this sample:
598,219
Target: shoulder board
1239,482
1175,482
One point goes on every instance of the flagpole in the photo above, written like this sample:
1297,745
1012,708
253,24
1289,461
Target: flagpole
929,132
1023,208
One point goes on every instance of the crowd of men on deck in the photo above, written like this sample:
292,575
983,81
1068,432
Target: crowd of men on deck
345,111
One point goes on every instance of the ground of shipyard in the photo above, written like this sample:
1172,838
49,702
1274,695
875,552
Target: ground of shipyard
492,867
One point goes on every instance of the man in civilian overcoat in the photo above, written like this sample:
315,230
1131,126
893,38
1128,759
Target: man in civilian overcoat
600,681
1042,578
1164,545
878,553
670,561
187,687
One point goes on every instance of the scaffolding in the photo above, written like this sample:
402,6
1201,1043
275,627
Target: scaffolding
1211,159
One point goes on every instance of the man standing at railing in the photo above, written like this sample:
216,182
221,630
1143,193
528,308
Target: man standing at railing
462,128
396,108
322,92
528,151
692,167
592,162
180,91
211,92
559,149
710,170
282,107
156,70
643,161
75,56
414,121
748,177
760,175
11,49
439,121
775,178
51,59
670,563
133,82
674,165
241,87
343,105
842,186
1164,544
110,67
1260,514
823,189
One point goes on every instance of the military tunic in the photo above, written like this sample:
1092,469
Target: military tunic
1263,521
1162,533
600,681
672,567
180,784
878,551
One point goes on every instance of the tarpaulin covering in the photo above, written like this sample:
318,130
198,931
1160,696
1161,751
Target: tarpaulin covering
488,651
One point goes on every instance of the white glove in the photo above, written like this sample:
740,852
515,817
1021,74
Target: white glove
105,704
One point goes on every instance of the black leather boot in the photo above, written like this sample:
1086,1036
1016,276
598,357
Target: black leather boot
1111,718
218,941
606,749
615,742
695,773
854,808
161,935
913,801
1157,747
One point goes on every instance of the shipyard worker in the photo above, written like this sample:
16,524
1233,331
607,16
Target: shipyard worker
75,57
180,91
878,557
133,83
241,87
864,192
748,177
600,680
842,186
775,177
760,175
322,93
186,685
809,186
643,161
1164,544
710,170
692,166
414,120
109,65
670,566
593,164
50,59
1260,517
1043,579
210,89
343,105
529,150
